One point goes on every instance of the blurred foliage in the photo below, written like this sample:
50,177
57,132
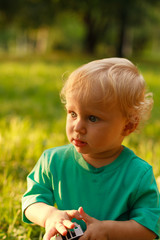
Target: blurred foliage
117,27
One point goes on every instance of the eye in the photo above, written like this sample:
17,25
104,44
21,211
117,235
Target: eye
73,114
92,118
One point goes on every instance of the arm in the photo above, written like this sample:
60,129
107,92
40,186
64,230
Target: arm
129,230
54,220
114,230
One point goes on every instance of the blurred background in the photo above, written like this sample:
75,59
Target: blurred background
41,43
117,27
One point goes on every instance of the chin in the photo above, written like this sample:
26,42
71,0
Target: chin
81,150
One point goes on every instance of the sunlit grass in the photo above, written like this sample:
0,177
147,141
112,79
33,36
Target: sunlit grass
33,119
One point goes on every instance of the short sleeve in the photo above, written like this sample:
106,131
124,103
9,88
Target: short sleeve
39,186
146,205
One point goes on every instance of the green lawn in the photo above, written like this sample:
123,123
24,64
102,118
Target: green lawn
32,119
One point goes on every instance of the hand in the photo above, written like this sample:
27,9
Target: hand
59,221
116,230
95,229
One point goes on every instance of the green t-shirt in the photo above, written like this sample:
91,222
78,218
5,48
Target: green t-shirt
125,189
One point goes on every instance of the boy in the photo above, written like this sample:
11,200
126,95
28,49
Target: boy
113,191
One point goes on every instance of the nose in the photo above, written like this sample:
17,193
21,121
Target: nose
80,126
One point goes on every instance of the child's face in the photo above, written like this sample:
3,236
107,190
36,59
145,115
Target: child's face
95,130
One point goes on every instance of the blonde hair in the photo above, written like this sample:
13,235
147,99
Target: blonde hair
111,81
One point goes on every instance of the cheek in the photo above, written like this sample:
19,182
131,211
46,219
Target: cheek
68,128
97,134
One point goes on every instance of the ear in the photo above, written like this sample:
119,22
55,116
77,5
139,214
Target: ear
130,127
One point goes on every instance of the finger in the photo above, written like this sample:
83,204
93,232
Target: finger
85,217
74,214
81,211
61,228
68,224
49,234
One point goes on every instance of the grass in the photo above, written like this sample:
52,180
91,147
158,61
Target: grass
33,119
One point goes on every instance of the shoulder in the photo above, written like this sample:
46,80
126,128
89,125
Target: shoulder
136,163
51,160
139,177
135,169
57,154
66,149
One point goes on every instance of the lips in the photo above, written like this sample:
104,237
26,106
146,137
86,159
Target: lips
79,143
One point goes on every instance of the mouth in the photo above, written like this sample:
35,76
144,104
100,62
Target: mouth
79,143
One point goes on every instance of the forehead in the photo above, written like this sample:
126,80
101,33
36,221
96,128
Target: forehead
76,99
75,103
86,100
94,95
